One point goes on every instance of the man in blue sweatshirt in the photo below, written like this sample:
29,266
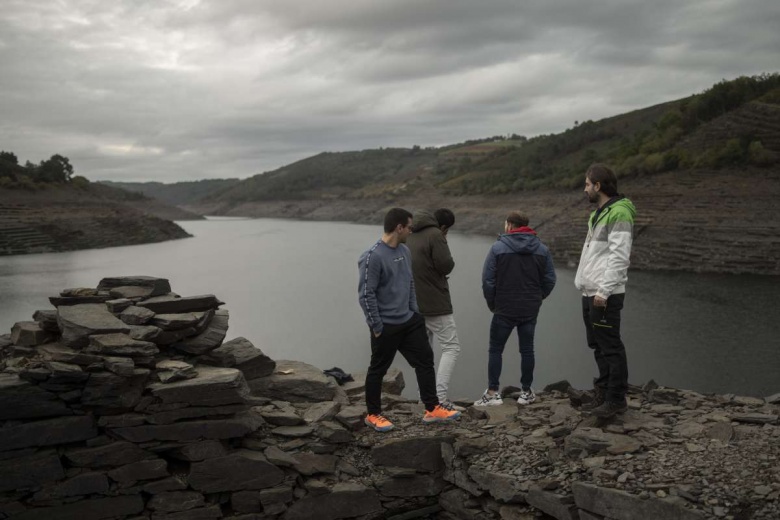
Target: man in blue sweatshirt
386,295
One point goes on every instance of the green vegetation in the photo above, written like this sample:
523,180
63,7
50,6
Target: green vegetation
55,170
178,193
734,124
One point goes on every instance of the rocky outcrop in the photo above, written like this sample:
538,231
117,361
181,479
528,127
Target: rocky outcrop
112,426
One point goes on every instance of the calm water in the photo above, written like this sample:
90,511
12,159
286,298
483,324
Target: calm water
291,288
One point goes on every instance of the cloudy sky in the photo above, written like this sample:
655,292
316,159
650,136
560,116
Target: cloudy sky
169,90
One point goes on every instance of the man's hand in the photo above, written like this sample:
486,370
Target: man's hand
598,301
377,334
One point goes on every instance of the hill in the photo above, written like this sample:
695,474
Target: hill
701,169
175,194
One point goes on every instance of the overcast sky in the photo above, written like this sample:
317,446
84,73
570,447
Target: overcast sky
170,90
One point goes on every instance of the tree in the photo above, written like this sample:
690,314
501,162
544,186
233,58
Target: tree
55,169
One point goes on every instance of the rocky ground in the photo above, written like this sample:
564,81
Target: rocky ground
126,401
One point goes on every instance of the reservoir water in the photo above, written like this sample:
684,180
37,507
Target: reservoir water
291,289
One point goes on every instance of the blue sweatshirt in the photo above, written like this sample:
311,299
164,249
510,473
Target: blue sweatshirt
386,285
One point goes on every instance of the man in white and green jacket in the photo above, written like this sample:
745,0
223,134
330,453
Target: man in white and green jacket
601,277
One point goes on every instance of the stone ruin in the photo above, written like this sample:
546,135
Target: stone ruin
127,402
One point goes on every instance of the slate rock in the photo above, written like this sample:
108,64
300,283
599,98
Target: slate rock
165,484
286,417
174,501
110,393
135,315
117,453
293,431
29,334
229,428
414,486
201,513
213,386
755,418
194,412
352,416
722,432
619,504
170,305
419,453
500,486
47,319
120,345
277,457
241,470
30,471
206,341
80,485
48,432
170,371
69,301
158,286
118,305
176,321
557,506
593,440
392,383
200,451
312,464
94,509
346,500
247,502
334,433
79,322
145,333
321,412
63,354
141,470
295,381
20,399
240,353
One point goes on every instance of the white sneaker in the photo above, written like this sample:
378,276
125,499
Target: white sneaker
526,396
449,405
489,400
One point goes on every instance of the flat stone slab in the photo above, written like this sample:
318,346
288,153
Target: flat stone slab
170,305
48,432
63,354
206,341
136,315
120,345
176,321
240,353
158,286
621,505
593,440
47,320
117,453
295,381
241,470
109,392
418,453
213,386
94,509
79,322
344,501
413,486
229,428
141,470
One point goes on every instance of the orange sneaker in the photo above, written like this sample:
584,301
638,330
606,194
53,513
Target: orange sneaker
440,414
378,422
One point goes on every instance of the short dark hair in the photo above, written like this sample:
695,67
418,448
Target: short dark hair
444,217
394,217
517,219
604,175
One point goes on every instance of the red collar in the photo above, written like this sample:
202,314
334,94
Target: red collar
523,229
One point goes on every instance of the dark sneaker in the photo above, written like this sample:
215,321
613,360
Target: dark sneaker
609,409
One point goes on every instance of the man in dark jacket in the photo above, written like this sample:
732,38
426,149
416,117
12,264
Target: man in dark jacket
518,274
431,263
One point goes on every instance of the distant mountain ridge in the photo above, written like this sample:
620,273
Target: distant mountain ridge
178,193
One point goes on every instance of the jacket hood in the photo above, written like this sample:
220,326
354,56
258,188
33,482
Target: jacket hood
626,204
520,242
424,219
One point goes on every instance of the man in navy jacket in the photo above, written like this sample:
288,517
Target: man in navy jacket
518,274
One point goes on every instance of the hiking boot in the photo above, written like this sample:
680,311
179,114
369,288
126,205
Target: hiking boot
599,396
378,422
609,409
489,400
526,396
440,414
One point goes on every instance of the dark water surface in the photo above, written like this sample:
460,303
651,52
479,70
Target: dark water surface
291,289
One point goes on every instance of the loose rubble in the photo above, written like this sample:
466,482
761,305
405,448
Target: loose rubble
127,402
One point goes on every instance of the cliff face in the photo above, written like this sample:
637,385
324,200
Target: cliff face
66,219
703,221
125,401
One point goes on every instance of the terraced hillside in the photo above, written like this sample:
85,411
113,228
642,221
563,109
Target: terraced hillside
52,221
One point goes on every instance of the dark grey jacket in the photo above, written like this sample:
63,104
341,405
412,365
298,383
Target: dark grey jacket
431,263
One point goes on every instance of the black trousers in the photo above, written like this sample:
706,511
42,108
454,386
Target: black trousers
602,327
411,340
